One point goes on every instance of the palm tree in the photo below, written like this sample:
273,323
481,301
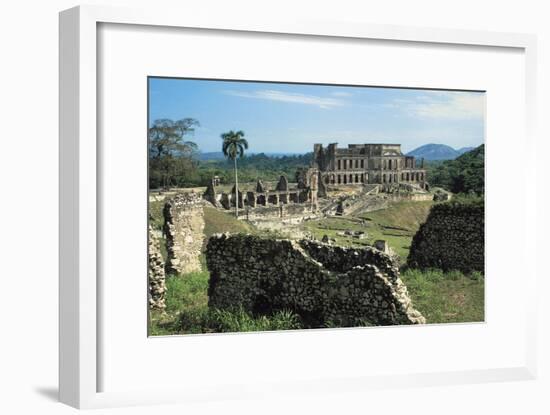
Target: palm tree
233,146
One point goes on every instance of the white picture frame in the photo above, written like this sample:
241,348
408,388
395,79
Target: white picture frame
79,312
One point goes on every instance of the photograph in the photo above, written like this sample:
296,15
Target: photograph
291,206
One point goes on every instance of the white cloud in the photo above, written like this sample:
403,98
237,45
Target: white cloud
444,105
279,96
341,94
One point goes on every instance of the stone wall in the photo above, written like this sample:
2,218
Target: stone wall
300,211
157,280
324,285
452,238
183,228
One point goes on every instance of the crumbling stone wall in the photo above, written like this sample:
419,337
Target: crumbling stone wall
183,228
452,238
323,284
157,279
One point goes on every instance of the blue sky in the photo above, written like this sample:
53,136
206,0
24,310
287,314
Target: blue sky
290,118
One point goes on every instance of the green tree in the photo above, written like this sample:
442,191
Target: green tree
233,147
465,174
170,155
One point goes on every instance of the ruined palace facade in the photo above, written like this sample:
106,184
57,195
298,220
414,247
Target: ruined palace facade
360,164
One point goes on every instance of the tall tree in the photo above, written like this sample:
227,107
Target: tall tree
169,152
233,147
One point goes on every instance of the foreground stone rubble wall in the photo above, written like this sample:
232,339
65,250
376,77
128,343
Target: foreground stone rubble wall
452,238
321,283
157,278
183,228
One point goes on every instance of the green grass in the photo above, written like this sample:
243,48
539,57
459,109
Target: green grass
156,219
405,214
224,321
332,225
397,225
185,294
446,297
187,312
217,221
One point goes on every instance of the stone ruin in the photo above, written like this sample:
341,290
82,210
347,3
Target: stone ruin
211,195
305,192
183,228
157,277
321,283
452,238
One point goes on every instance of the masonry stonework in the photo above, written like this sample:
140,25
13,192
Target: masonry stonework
183,228
452,238
321,283
157,279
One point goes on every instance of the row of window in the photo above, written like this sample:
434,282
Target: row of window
392,164
348,164
362,178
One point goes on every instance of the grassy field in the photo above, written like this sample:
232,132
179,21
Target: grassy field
397,224
440,297
446,297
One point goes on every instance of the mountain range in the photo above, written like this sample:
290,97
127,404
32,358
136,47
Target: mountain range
438,152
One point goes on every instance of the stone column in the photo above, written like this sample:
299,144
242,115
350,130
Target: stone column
251,197
183,227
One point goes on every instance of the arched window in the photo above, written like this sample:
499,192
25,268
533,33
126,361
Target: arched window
339,164
384,178
362,164
351,178
339,179
356,178
421,176
389,164
345,178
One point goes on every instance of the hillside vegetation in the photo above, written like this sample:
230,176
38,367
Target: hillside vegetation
465,174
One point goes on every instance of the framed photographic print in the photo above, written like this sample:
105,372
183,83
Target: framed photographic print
289,194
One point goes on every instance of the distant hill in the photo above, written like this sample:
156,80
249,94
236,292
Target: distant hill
213,155
435,152
465,149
